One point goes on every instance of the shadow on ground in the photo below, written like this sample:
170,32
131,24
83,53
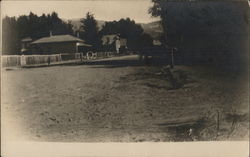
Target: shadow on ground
122,63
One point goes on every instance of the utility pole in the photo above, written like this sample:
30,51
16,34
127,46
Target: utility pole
173,50
172,58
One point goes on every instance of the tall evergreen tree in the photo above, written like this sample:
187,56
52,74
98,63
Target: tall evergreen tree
90,31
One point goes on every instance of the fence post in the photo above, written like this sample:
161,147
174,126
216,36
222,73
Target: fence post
48,59
172,58
23,60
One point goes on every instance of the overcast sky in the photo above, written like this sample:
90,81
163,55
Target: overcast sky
102,9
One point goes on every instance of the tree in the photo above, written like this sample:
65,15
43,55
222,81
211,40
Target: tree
89,31
145,40
127,28
15,29
204,30
159,9
10,37
57,26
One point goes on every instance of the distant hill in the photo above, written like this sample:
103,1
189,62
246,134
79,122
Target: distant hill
76,23
153,28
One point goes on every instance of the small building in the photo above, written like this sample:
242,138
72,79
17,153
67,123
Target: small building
114,42
59,44
25,45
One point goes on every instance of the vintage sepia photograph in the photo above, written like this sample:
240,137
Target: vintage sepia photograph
123,71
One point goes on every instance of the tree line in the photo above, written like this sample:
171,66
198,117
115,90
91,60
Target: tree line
126,28
35,27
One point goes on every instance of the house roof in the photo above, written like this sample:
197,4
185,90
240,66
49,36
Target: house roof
110,36
26,39
57,39
82,44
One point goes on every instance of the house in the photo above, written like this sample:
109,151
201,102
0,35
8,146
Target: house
157,42
109,39
114,42
59,44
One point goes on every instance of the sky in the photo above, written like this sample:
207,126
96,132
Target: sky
107,10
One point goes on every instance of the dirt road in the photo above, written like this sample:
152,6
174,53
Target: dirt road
103,103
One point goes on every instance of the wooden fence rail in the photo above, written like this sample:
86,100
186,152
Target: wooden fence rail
19,60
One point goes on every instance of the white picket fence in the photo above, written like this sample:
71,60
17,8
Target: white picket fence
17,60
11,60
21,60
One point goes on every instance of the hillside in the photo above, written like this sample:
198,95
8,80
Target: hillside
76,23
153,28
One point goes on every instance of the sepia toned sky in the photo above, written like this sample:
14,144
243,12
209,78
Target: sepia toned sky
102,9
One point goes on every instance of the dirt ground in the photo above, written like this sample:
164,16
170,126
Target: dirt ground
134,103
